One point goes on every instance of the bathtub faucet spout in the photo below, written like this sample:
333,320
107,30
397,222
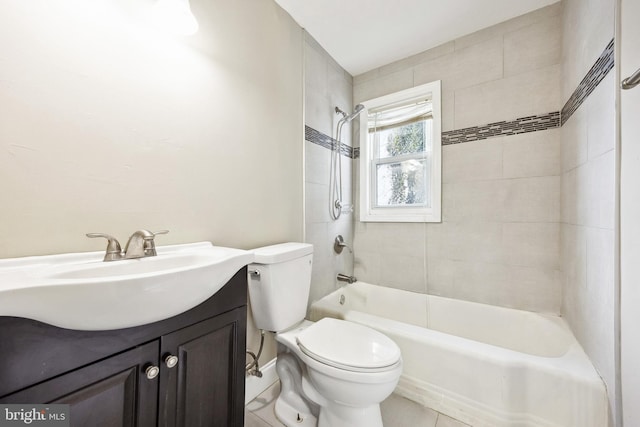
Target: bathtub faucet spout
345,278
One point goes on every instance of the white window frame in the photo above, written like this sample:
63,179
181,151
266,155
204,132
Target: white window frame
371,213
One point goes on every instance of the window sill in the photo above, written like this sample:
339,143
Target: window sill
397,217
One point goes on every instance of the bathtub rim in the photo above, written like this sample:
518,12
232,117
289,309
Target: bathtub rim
340,311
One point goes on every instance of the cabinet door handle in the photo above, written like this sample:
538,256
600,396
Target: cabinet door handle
151,372
170,360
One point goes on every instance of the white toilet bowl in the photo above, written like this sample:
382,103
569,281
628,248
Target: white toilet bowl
346,371
333,373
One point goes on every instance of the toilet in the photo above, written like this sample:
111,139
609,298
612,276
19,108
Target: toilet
333,373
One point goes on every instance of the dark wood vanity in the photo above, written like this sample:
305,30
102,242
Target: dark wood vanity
107,377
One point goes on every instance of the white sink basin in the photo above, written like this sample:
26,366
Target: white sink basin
80,291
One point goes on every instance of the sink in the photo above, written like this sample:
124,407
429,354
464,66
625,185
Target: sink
80,291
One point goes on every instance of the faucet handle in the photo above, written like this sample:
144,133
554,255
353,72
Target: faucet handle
339,244
150,244
114,251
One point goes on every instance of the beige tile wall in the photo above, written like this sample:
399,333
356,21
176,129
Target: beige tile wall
503,72
588,188
327,85
499,241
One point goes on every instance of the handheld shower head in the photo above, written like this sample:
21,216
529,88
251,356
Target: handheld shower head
335,180
356,111
348,117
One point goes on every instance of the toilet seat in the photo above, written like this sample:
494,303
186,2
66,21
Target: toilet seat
348,346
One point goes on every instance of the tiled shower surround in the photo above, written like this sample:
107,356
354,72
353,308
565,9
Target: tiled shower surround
528,167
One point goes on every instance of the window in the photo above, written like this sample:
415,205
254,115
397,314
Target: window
400,156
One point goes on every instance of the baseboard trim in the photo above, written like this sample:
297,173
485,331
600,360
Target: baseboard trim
254,386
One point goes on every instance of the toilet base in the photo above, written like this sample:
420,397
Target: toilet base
330,416
292,408
293,417
345,416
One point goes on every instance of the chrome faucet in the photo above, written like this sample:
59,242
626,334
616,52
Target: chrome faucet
141,244
344,278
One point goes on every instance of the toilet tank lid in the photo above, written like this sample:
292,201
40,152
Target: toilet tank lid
281,252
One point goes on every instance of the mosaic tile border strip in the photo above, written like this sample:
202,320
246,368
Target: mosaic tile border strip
504,128
459,136
555,119
600,69
319,138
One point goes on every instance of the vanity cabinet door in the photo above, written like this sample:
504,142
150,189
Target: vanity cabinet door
206,386
114,392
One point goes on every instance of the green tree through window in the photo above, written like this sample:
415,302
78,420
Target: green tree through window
407,186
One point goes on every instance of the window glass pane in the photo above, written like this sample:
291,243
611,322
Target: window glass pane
403,183
407,139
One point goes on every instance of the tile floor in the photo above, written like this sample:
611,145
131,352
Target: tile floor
396,412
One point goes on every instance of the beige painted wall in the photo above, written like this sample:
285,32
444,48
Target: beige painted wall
627,39
108,125
499,240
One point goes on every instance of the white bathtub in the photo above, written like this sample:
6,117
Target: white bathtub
484,365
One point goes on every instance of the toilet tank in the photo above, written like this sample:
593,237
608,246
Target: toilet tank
279,282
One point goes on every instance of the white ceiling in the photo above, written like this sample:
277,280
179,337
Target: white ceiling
365,34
